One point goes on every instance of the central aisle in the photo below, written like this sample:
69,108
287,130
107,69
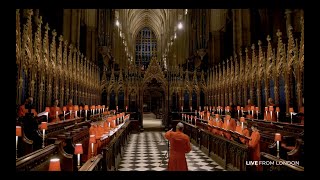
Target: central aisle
146,151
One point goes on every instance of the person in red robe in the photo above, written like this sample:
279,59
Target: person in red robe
248,106
244,131
23,109
179,146
70,112
301,112
254,146
217,122
211,123
55,112
228,124
270,102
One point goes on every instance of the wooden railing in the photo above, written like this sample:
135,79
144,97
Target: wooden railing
113,152
230,155
39,160
93,164
277,164
108,158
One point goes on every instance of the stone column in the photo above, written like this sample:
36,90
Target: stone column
126,99
71,26
89,41
108,99
66,24
216,44
74,27
288,13
241,28
190,99
198,99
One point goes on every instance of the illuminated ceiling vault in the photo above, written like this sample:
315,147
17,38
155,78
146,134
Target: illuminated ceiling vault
162,22
139,18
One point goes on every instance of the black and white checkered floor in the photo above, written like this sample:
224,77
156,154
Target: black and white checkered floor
147,151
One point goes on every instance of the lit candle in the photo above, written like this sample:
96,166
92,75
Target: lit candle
78,159
278,110
277,138
266,110
291,113
252,109
242,120
238,108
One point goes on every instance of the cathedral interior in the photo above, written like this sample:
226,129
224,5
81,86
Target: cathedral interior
115,80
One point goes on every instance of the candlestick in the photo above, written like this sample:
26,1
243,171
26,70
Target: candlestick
277,116
86,114
17,137
266,115
43,136
278,156
78,160
291,116
92,149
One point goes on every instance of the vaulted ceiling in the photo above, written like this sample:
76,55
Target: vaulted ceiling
160,21
152,18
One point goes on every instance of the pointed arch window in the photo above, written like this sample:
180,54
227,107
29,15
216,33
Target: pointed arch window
146,47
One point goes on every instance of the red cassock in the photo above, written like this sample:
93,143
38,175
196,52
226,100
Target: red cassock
302,117
267,116
70,116
210,122
22,111
254,145
214,130
231,126
219,124
52,114
244,132
179,145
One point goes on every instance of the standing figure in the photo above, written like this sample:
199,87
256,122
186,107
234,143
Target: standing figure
179,146
254,146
